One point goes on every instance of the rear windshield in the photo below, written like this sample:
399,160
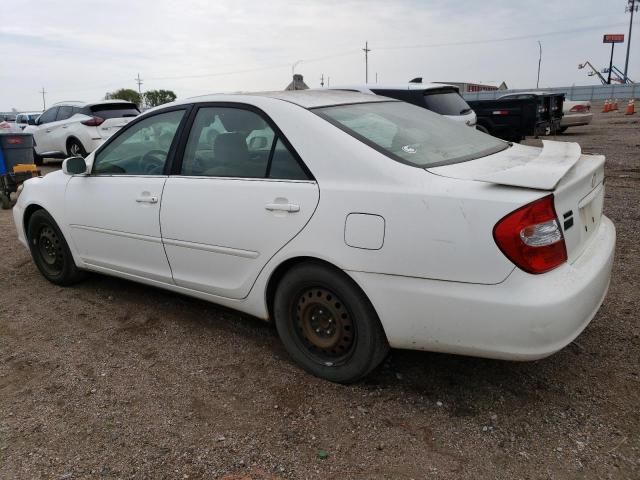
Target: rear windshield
446,103
115,110
411,134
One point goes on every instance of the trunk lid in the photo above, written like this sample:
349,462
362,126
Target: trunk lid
576,181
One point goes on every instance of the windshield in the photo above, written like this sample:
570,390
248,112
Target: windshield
446,103
411,134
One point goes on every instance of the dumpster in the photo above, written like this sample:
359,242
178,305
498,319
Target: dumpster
16,164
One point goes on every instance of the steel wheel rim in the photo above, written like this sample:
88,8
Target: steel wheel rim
324,326
50,250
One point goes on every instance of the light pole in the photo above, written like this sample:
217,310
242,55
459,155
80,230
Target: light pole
631,7
366,51
539,62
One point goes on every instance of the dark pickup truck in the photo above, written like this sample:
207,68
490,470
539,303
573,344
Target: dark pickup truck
516,116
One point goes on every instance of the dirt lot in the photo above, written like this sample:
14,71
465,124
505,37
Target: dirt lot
110,379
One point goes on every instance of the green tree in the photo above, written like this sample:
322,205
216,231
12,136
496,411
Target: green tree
153,98
124,94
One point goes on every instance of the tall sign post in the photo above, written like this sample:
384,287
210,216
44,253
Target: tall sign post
612,38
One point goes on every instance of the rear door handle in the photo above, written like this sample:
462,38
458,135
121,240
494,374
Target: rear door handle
147,199
282,207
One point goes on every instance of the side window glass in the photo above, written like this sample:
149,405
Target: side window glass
228,142
64,113
284,165
49,116
142,149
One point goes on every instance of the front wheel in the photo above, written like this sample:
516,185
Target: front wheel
327,324
50,251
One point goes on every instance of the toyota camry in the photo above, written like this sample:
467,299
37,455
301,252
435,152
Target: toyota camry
354,222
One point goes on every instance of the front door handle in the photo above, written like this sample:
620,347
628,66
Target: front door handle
282,207
147,199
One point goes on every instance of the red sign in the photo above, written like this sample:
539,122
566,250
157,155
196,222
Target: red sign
613,38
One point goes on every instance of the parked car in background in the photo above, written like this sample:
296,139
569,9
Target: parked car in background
437,97
550,105
25,119
576,113
69,129
355,222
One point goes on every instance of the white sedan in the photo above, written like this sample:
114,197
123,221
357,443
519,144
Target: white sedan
575,113
356,223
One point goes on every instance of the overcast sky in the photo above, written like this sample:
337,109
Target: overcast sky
78,50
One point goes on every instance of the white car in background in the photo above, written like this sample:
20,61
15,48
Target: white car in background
438,97
353,221
69,129
24,119
576,113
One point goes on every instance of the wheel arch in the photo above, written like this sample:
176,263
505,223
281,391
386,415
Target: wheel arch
28,213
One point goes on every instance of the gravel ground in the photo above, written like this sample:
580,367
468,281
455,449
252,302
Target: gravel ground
110,379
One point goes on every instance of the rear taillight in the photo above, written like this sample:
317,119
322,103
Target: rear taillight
500,112
4,125
14,140
93,121
531,237
579,109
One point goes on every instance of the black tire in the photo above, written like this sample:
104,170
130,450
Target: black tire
75,148
327,324
5,201
562,129
50,251
37,159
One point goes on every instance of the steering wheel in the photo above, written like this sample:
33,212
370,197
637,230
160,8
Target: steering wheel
152,162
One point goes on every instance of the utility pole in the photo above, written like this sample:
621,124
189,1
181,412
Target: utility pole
322,80
539,62
366,51
631,7
44,103
610,64
328,81
139,82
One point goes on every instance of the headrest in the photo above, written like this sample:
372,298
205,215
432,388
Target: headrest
237,120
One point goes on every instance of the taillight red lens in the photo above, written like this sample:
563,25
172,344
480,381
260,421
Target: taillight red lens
93,121
579,109
14,140
531,237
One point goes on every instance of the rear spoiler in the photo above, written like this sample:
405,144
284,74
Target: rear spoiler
542,172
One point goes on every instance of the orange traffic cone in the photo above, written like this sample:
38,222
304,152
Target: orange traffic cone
630,107
605,109
615,104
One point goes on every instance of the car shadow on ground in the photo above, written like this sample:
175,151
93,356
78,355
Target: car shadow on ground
467,385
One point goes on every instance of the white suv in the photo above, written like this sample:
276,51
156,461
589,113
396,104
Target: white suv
78,128
437,97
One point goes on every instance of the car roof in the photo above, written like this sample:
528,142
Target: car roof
311,98
369,87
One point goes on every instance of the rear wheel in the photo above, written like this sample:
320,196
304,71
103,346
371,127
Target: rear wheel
562,129
327,324
75,148
50,251
37,159
5,201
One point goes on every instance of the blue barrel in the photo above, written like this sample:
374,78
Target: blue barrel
3,168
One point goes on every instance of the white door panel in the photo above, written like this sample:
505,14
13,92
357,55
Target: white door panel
220,232
114,223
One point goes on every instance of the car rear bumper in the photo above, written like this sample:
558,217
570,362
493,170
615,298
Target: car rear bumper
576,119
526,317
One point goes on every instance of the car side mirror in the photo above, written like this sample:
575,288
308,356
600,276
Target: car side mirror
74,166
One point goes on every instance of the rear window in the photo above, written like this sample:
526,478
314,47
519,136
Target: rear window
115,110
446,103
411,134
